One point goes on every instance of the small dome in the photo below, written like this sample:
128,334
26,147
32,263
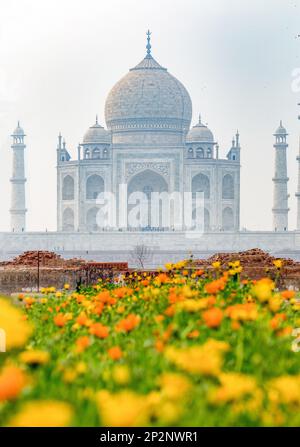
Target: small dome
18,131
96,134
200,133
281,130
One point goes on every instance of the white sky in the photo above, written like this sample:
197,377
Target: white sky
59,59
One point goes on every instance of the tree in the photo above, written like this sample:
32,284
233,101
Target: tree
141,254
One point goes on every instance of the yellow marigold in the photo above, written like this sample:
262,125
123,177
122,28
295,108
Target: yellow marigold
234,386
43,414
70,375
121,374
206,359
191,305
285,389
174,386
278,263
242,312
17,330
216,265
123,409
167,411
275,303
34,357
263,289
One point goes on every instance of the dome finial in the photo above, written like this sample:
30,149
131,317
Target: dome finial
148,46
96,119
200,118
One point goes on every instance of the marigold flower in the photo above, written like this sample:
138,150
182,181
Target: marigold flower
162,278
278,263
216,265
206,359
263,289
82,343
34,357
159,345
213,317
82,319
115,353
288,294
43,414
123,409
16,328
174,386
12,382
170,311
276,320
215,286
242,312
103,297
60,320
121,374
99,330
285,389
128,323
234,386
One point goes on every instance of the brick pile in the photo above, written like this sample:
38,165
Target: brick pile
45,259
256,263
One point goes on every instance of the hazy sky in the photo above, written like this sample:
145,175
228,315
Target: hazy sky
60,58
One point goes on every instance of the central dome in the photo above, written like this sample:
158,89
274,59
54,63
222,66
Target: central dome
148,97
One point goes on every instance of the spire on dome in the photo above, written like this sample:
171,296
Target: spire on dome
148,46
97,119
200,118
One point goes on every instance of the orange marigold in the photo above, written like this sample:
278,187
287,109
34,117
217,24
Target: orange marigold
215,286
82,319
60,320
276,320
99,330
213,317
103,297
12,381
115,353
82,343
128,323
288,294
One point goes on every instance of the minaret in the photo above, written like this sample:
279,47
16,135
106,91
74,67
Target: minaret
280,201
18,180
298,191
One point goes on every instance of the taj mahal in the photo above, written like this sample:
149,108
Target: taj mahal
150,145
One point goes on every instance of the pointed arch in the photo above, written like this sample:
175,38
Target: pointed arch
227,219
201,183
94,186
68,188
91,219
68,220
148,182
228,187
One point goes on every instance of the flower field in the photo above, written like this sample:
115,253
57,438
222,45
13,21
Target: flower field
178,348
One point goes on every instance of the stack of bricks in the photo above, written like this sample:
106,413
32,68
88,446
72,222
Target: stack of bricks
43,258
256,264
